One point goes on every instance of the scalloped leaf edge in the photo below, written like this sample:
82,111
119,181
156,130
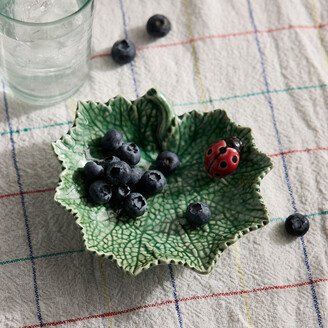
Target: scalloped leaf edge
177,120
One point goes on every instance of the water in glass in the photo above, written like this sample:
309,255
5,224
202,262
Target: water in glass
45,62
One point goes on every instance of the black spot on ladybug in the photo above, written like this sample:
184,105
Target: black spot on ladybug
223,164
209,152
222,150
234,159
217,175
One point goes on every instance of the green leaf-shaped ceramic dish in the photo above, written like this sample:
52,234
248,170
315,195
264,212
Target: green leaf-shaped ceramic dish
162,235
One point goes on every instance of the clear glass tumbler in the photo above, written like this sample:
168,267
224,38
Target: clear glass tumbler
45,47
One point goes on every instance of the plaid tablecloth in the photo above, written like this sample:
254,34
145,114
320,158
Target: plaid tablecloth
263,61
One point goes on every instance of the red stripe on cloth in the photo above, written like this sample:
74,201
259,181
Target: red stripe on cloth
221,36
15,194
184,299
103,315
252,291
294,27
297,151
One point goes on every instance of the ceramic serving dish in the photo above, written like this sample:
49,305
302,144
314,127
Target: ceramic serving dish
162,235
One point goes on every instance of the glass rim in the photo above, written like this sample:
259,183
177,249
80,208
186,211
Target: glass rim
57,21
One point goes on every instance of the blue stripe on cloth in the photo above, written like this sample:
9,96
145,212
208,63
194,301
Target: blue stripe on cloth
126,35
283,158
175,296
313,290
22,198
132,66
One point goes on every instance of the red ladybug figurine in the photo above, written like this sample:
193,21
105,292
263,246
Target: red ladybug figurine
222,158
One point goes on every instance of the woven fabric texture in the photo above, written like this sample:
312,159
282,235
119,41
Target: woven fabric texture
264,62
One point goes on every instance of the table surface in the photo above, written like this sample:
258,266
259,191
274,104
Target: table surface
266,63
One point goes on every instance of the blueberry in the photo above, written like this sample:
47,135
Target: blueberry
297,225
120,192
100,192
152,182
93,171
130,153
136,174
158,26
111,141
235,143
167,162
123,51
108,160
198,214
118,173
135,204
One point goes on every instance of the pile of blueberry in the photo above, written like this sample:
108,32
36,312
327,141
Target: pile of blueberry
124,51
117,181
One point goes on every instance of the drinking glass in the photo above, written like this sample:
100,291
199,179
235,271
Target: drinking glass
45,47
